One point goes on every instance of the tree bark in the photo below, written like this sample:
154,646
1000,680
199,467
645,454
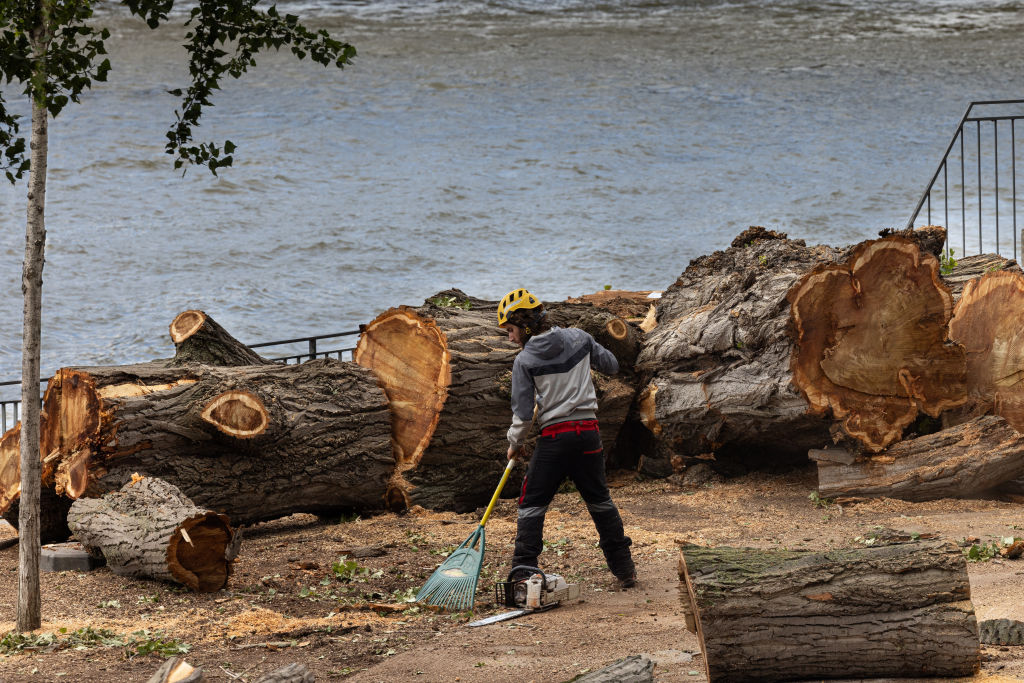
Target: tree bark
198,338
973,267
150,529
969,460
716,366
253,442
900,610
29,605
446,369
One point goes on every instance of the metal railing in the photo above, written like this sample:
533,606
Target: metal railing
9,409
979,158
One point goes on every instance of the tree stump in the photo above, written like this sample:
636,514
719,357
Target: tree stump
446,369
150,529
253,442
899,610
969,460
716,366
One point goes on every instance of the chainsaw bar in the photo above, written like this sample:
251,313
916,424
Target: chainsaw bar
514,614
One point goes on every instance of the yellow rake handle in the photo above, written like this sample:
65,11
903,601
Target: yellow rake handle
497,492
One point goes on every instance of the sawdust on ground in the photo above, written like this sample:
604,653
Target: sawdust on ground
335,594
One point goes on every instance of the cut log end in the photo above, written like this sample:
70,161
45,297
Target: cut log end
617,329
986,321
197,551
186,324
871,341
10,467
409,355
237,413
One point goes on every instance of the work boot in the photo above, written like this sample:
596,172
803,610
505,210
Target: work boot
626,582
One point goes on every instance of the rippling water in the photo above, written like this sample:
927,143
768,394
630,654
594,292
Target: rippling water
561,146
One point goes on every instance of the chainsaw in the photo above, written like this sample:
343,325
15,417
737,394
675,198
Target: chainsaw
535,592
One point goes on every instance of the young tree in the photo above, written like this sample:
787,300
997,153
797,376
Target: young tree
54,51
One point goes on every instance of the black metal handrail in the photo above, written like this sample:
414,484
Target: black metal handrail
9,409
945,193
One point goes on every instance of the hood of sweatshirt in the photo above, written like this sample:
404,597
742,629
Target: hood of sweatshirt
548,344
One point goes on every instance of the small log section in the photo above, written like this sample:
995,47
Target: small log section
253,442
871,341
987,323
631,669
899,610
446,370
969,460
198,338
150,529
177,670
716,366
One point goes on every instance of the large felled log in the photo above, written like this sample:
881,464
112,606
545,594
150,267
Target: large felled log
150,529
899,610
253,442
446,369
761,349
969,460
717,363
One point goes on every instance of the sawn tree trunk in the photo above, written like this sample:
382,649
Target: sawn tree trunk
898,610
771,348
253,442
446,369
150,529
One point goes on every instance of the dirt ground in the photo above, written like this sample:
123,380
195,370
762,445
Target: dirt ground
300,594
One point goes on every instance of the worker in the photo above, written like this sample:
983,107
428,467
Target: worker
553,372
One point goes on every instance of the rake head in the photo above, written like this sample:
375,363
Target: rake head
452,586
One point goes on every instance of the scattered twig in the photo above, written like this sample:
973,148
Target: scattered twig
272,645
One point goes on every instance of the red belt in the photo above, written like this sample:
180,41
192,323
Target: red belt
571,426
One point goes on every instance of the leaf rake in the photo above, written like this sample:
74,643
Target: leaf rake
452,586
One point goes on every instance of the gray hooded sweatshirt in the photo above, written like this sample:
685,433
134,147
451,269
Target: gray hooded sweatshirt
555,367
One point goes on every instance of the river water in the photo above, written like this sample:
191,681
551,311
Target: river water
561,146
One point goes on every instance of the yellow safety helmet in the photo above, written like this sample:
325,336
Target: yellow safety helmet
517,299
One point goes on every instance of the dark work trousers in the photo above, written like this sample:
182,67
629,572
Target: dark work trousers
580,457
